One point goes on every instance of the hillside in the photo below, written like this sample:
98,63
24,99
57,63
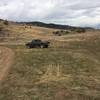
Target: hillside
68,70
21,33
54,26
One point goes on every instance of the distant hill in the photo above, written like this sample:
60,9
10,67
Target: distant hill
51,25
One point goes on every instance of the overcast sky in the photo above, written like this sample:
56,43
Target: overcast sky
72,12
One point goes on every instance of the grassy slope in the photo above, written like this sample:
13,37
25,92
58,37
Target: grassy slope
21,33
69,69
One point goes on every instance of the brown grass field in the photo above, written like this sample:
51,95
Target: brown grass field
68,70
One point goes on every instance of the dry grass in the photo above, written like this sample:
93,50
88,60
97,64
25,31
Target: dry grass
53,73
68,69
22,33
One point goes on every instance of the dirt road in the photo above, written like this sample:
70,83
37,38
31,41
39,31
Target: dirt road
6,60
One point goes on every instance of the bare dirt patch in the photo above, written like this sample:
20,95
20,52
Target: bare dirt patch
6,60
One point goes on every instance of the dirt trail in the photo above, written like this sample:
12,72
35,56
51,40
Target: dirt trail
6,60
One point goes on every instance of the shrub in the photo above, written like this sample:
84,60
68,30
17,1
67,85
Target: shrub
80,30
6,22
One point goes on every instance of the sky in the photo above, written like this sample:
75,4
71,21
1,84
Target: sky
69,12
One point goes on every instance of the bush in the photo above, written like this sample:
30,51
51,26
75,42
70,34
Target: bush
58,33
6,22
80,30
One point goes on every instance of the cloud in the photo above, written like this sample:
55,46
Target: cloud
73,12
